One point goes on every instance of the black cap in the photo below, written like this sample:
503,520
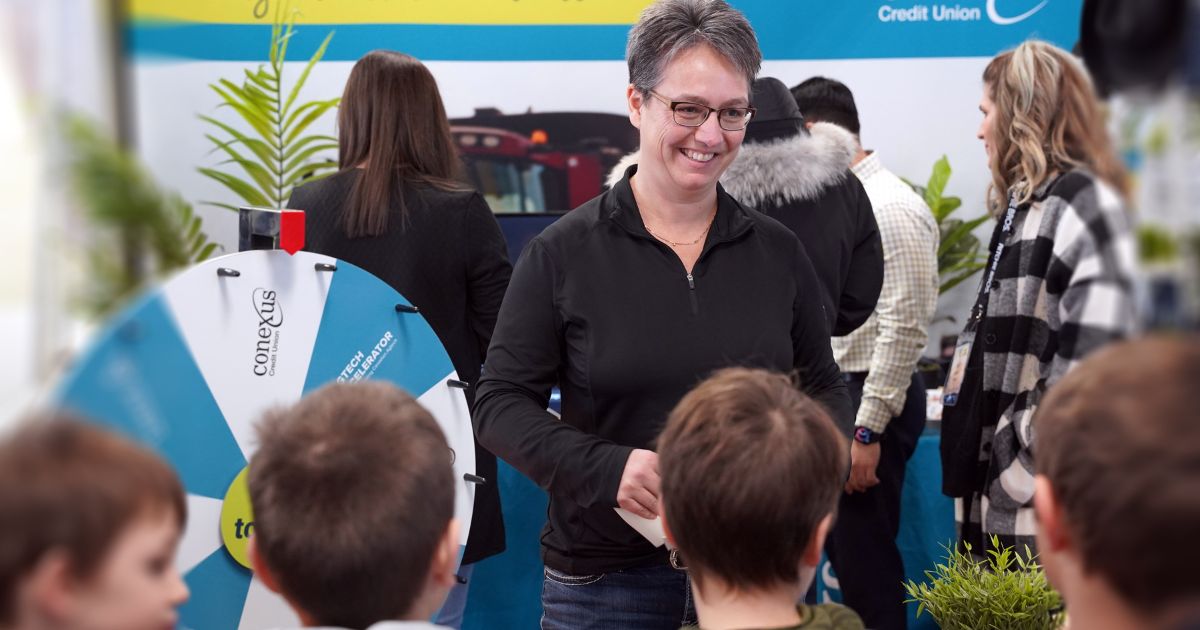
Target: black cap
777,116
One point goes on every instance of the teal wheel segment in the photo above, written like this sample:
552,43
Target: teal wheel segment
218,594
362,336
141,380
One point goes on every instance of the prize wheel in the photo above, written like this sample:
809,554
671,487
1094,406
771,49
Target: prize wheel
190,367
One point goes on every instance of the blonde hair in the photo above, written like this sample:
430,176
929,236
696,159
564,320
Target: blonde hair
1047,120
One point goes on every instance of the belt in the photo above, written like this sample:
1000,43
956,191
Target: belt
855,377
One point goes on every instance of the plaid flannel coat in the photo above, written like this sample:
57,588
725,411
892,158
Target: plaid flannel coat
1063,288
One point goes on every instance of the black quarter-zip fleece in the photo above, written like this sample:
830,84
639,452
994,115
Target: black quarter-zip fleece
608,313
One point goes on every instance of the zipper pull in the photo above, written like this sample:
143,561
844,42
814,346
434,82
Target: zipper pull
691,282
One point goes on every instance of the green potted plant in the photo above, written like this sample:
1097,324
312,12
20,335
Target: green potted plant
960,253
1005,591
264,164
137,232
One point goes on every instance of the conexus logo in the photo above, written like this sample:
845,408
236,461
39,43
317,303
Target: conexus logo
270,318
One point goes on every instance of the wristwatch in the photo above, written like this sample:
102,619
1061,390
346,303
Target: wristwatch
863,435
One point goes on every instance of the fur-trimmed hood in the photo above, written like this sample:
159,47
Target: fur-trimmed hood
792,169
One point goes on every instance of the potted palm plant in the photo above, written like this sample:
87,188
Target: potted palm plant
269,151
1005,591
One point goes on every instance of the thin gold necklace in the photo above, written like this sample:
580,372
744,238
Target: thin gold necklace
673,243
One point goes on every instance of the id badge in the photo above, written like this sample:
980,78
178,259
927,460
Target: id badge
958,368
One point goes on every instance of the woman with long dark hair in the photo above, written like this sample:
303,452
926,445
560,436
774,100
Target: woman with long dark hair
1058,283
396,209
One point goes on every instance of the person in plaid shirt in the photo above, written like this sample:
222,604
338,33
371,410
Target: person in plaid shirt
879,363
1057,287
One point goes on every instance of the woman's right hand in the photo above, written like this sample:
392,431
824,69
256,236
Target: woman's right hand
639,489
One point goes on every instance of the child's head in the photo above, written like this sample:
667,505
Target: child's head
751,469
90,526
1118,486
353,496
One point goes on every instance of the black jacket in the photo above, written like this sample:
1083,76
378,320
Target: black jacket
451,262
600,308
805,183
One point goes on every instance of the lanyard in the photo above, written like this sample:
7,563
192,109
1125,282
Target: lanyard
999,240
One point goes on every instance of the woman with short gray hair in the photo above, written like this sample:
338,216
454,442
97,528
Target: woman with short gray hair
630,300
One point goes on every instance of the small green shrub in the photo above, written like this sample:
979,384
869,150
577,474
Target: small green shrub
1004,592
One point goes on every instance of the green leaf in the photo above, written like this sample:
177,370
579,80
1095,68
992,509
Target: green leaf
274,54
308,108
307,68
264,153
255,119
262,80
292,130
266,183
307,153
959,232
269,170
206,252
293,147
946,206
937,181
231,93
264,99
287,35
239,187
256,101
251,113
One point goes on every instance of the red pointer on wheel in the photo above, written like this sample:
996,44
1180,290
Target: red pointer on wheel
291,231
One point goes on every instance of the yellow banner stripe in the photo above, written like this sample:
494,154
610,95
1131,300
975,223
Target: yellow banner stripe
480,12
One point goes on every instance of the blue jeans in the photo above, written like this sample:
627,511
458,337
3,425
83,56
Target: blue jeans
647,598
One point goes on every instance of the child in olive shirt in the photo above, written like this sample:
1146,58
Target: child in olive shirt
751,469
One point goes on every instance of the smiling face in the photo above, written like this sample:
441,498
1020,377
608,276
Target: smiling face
137,587
987,128
686,162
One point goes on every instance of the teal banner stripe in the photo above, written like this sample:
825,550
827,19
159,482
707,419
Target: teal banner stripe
801,29
429,42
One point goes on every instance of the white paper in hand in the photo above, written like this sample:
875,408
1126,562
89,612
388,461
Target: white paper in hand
650,528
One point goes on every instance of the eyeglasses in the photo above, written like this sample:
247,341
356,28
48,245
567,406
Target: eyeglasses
688,114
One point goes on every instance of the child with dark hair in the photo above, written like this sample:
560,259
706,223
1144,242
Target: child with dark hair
751,471
90,524
1117,491
353,497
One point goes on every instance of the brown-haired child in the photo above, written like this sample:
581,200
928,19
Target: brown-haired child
90,523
